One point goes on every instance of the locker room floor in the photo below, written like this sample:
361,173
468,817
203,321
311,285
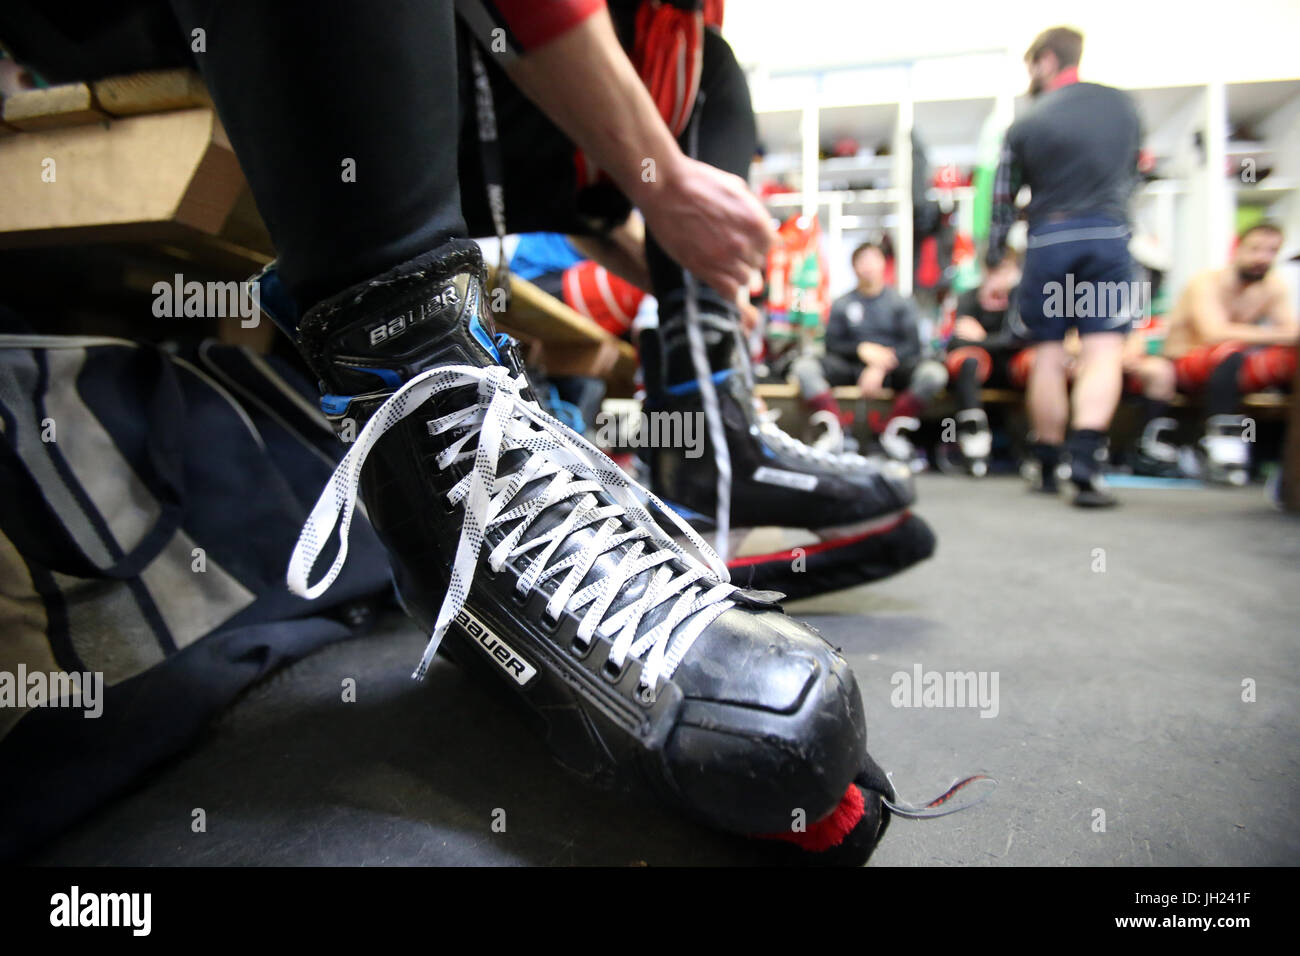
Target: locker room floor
1119,690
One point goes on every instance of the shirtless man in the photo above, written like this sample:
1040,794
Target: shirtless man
1233,331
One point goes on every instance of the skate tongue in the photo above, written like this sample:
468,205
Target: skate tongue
550,518
599,519
572,544
379,334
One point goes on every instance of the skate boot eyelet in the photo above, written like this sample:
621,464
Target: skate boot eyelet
645,696
579,648
613,673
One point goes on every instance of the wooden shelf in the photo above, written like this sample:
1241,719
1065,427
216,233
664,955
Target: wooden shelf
164,177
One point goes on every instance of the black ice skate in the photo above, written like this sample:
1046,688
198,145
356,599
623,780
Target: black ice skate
802,521
529,557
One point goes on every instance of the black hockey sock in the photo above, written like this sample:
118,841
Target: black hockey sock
1153,408
1049,456
1222,393
718,329
967,386
1085,446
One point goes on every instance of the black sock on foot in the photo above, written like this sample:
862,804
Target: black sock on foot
1222,392
1153,408
1048,458
719,327
967,385
1085,447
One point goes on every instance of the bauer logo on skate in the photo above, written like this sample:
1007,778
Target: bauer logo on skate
392,328
519,669
946,689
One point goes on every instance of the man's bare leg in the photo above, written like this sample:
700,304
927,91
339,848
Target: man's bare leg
1048,403
1047,396
1099,381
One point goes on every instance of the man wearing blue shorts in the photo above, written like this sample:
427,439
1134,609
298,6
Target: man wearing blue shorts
1077,151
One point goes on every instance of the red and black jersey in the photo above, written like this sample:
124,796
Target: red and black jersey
512,27
664,40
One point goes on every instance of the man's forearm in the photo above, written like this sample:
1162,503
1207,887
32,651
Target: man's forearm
1274,335
705,219
869,353
585,83
1249,335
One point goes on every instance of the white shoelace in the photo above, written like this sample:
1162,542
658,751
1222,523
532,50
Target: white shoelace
832,438
844,460
504,421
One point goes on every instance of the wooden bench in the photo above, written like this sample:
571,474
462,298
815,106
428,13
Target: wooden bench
1260,401
785,396
137,159
1265,404
137,166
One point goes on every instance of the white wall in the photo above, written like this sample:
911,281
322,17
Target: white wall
1284,129
1131,43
